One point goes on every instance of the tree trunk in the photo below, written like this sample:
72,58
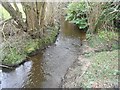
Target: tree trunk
36,16
31,17
94,13
50,14
35,13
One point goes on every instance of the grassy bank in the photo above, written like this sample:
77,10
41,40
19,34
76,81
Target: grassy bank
97,66
103,71
16,52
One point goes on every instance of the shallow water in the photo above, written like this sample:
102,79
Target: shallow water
47,68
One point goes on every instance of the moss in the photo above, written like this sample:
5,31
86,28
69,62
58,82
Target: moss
31,45
14,56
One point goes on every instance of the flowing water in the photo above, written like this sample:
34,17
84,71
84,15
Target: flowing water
47,68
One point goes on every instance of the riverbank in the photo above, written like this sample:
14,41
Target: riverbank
98,70
18,47
96,67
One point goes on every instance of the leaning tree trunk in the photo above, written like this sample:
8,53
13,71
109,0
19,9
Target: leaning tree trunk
15,14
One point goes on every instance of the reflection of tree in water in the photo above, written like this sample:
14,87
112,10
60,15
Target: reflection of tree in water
36,76
72,30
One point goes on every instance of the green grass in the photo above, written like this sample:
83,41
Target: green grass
103,69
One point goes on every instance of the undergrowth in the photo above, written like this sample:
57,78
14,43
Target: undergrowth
104,40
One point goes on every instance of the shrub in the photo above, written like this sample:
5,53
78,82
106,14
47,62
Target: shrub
77,14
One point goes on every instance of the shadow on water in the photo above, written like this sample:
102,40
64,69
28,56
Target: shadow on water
46,69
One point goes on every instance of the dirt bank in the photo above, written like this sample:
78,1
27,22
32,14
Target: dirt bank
74,74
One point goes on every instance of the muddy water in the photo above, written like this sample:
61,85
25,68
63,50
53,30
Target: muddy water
48,67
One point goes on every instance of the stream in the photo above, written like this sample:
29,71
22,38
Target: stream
47,68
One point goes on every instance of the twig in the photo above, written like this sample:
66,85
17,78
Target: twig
85,70
5,21
5,38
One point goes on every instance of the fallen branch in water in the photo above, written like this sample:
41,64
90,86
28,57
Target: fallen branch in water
7,67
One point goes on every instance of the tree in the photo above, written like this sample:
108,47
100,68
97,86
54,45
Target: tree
35,15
